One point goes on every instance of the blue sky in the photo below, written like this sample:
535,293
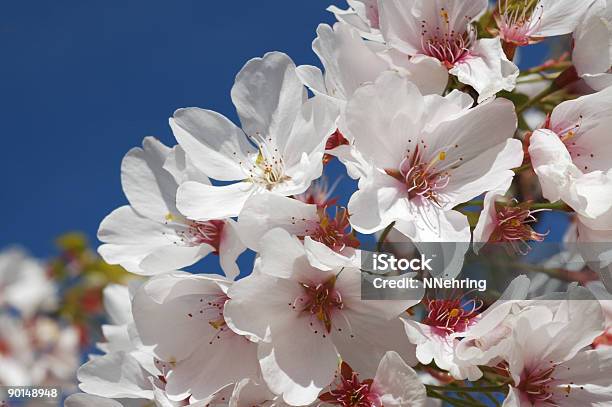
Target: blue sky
83,82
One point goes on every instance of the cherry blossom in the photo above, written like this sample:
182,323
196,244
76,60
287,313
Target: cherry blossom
526,21
443,30
349,62
395,384
326,232
279,150
150,235
182,318
304,318
572,160
449,317
550,363
506,222
429,154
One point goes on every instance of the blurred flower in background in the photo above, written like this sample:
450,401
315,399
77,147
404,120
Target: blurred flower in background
51,312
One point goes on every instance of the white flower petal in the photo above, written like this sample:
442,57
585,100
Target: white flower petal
115,375
216,146
264,212
487,69
150,189
398,384
268,95
205,202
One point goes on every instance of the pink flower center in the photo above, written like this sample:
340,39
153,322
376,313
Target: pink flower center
320,301
349,391
448,316
424,179
536,384
444,43
513,226
208,232
335,233
518,20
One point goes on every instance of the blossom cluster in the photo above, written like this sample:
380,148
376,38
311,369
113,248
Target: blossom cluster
421,102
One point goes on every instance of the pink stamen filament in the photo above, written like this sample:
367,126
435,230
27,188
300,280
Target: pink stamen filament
445,44
518,21
513,226
452,315
336,233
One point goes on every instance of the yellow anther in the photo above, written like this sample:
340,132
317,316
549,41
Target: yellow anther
169,217
442,156
444,15
454,312
217,324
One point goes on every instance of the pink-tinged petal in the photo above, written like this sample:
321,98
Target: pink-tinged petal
217,147
268,95
581,116
592,151
162,307
552,163
560,16
230,248
421,336
363,15
349,284
595,189
380,200
129,238
348,60
205,202
591,57
251,307
365,344
322,257
397,383
281,253
587,376
379,117
298,379
264,212
249,393
488,216
213,367
487,69
115,375
427,73
400,23
150,189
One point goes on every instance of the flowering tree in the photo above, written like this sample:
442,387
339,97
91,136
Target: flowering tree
449,142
